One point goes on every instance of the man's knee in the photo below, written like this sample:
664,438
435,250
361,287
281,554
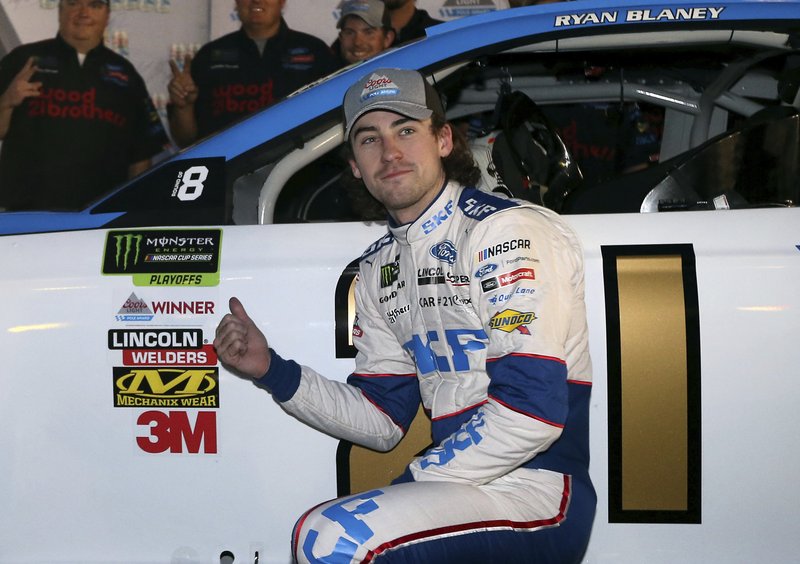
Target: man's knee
335,531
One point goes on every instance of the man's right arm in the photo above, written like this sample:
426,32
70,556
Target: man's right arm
183,94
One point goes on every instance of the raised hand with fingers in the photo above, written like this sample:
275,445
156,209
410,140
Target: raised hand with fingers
240,344
21,87
181,87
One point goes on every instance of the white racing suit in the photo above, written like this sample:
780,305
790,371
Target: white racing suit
476,309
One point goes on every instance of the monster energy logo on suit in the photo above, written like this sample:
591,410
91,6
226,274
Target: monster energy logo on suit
390,272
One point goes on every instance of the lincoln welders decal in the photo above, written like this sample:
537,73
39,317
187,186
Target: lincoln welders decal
167,257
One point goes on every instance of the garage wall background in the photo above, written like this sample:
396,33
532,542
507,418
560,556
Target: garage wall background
150,32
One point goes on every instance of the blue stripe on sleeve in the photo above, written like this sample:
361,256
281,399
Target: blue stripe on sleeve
282,378
532,385
397,395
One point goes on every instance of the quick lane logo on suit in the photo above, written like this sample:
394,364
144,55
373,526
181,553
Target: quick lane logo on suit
438,218
460,342
464,438
501,248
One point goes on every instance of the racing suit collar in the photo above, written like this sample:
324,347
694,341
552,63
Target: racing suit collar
439,211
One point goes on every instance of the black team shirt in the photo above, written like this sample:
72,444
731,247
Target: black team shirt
75,141
234,80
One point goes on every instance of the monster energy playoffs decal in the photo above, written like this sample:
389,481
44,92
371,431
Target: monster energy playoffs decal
164,257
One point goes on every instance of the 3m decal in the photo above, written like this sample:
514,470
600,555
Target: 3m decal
174,257
510,320
172,430
166,387
653,352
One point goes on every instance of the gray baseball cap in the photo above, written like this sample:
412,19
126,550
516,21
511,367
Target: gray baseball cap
404,92
373,12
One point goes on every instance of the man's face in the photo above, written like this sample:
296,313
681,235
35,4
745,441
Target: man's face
260,13
400,161
361,41
394,4
82,21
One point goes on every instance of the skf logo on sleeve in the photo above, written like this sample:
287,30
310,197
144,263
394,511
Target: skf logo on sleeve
510,320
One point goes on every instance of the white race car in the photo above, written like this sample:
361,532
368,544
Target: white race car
667,134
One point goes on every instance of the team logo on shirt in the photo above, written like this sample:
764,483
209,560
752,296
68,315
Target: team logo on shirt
445,252
116,75
390,272
357,331
485,269
510,320
501,248
379,85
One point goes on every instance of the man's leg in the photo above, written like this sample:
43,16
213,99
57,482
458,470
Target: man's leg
527,516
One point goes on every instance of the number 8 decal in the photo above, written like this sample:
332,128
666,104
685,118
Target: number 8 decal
192,186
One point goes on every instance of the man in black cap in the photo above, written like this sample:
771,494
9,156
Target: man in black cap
75,117
472,305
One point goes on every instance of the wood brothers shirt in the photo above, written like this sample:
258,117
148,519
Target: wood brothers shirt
76,140
233,79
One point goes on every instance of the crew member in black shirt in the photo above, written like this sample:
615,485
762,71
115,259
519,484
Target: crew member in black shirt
75,117
243,71
407,20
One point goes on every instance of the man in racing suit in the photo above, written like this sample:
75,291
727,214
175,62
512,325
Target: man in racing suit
472,304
